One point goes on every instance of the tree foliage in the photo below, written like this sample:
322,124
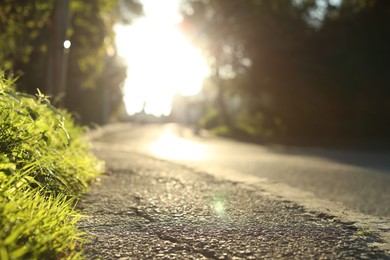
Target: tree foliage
25,35
301,71
20,26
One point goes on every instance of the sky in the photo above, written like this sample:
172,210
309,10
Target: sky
161,61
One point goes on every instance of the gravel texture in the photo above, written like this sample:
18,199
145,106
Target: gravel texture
150,209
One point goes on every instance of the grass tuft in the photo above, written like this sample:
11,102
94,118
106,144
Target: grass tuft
45,165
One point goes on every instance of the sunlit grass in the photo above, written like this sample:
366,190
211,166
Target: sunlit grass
35,226
45,165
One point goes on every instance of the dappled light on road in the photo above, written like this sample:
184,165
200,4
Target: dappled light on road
171,146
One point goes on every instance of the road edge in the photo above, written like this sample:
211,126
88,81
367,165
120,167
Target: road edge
280,191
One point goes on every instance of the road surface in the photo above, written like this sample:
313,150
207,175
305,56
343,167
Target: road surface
359,180
169,194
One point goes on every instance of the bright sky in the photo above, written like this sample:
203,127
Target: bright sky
161,61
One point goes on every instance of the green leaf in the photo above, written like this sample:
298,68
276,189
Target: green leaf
11,238
47,138
12,96
3,253
19,252
34,114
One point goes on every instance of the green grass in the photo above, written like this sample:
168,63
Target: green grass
45,165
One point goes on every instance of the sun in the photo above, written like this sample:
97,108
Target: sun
161,63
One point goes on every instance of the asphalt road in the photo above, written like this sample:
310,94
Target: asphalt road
146,208
360,180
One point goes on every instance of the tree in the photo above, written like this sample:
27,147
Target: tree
258,39
95,70
214,28
300,75
354,55
25,30
21,23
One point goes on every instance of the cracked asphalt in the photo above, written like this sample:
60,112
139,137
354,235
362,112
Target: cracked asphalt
146,208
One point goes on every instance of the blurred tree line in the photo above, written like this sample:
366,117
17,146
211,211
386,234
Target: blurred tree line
90,70
302,69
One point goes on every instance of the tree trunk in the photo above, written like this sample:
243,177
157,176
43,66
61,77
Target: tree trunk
55,69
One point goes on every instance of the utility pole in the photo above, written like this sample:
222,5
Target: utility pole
55,83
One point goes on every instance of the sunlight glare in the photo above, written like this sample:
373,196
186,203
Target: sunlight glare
161,63
170,146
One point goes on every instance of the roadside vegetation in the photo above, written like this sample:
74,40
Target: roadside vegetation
31,34
45,165
294,72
